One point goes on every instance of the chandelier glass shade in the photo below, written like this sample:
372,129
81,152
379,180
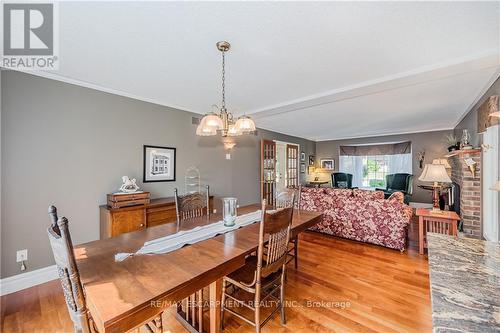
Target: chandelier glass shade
223,121
245,125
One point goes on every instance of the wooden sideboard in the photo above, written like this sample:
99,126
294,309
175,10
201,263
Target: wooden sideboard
116,221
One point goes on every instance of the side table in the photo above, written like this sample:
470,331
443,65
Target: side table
316,183
442,223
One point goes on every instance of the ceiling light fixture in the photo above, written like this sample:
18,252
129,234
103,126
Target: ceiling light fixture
223,122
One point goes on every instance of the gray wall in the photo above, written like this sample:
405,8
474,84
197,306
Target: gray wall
67,145
430,142
469,122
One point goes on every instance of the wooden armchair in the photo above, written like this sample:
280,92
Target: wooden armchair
263,275
74,294
189,206
287,199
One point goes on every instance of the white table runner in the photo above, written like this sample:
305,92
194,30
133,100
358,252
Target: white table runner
176,241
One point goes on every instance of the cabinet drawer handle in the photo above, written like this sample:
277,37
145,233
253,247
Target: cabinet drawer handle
142,225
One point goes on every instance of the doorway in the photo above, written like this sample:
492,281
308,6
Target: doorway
280,167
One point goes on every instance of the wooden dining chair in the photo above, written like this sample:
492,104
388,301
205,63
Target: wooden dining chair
189,206
263,275
192,205
284,199
74,294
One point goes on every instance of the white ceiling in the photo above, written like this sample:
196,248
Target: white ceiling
320,70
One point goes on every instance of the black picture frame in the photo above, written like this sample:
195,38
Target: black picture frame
311,159
148,178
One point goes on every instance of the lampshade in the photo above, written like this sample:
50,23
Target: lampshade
212,120
442,161
434,173
205,131
245,125
496,187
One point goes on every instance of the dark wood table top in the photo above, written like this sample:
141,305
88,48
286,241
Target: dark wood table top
117,292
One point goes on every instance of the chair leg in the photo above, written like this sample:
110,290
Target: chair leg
296,251
222,304
282,297
257,307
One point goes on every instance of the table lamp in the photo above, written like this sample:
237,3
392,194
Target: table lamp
435,173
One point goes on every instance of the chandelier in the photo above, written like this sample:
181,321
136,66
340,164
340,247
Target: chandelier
223,122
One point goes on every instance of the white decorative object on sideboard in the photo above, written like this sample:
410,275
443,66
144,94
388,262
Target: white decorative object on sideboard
129,185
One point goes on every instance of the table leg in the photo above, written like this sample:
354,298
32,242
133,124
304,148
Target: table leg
455,228
421,234
215,292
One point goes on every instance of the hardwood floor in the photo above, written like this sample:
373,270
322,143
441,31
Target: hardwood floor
340,286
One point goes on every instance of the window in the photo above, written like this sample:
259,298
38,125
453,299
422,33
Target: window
370,165
375,168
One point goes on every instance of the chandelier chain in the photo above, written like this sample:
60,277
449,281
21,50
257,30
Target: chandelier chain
223,81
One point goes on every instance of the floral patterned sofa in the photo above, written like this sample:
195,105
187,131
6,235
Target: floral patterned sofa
360,215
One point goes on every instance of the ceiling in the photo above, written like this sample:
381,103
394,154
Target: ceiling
319,70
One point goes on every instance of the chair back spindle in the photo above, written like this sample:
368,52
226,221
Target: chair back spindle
192,205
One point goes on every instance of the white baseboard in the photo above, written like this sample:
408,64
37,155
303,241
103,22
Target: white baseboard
28,279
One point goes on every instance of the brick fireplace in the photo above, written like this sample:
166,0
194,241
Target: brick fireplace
470,192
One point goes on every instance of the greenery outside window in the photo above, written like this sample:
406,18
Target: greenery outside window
375,168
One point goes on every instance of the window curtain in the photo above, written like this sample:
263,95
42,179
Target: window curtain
354,166
372,150
400,163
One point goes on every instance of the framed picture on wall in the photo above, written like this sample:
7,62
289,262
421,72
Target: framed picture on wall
310,169
327,163
302,156
311,159
159,164
302,168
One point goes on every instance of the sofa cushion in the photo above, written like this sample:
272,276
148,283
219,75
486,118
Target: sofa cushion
339,192
315,201
397,196
367,195
315,190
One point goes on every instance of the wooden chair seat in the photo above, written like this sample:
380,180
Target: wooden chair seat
245,276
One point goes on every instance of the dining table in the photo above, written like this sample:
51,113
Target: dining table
123,295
